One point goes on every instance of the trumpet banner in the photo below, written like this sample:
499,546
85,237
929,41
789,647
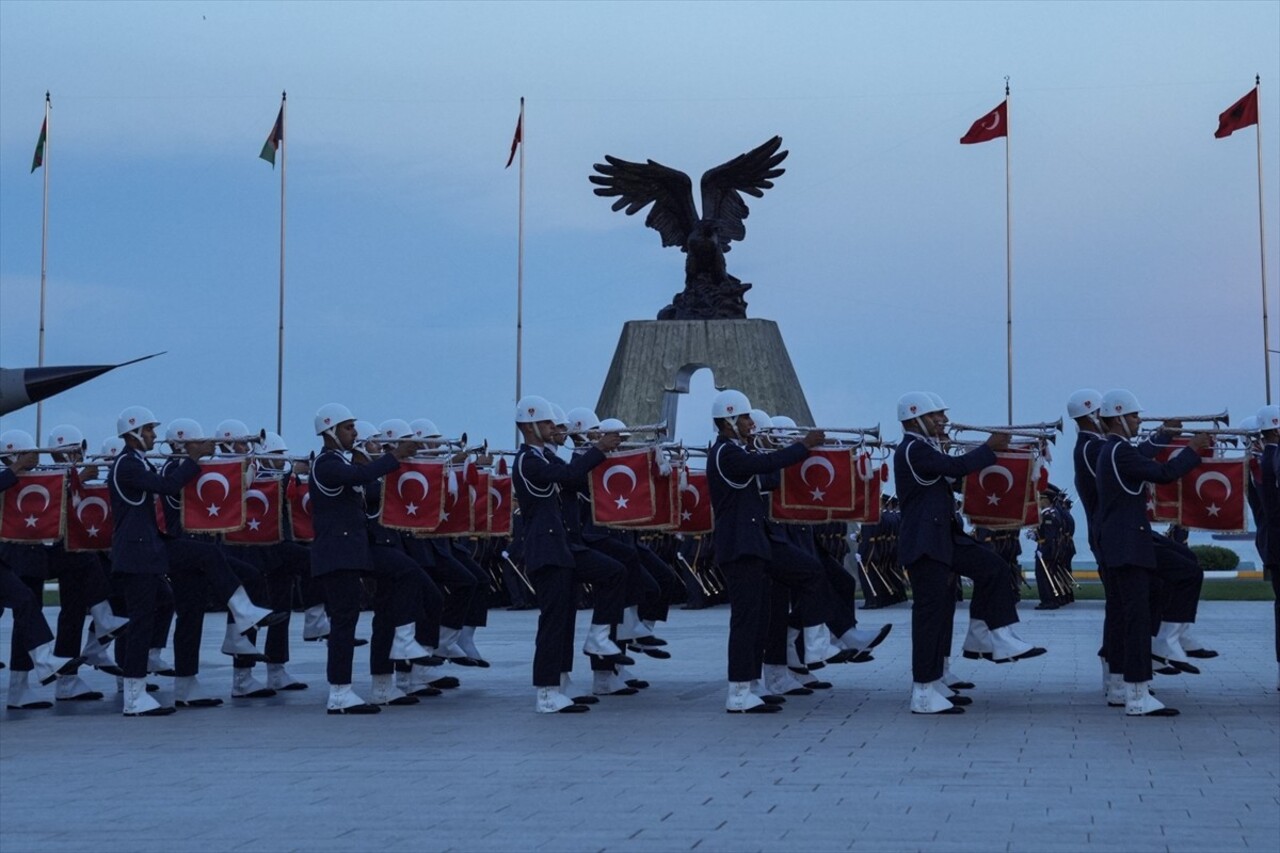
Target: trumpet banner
413,496
298,500
32,509
824,480
89,523
214,501
1164,500
693,500
1003,494
455,517
478,489
264,515
666,501
499,504
1212,496
624,488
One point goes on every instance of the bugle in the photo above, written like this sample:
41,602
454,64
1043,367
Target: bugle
82,446
659,428
255,438
1223,417
872,431
1044,432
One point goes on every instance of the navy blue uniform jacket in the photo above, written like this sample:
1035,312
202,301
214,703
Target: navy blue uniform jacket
741,511
920,476
537,481
337,511
136,547
1120,521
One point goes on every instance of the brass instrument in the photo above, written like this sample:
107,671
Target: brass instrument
658,428
873,431
254,438
1043,432
1223,417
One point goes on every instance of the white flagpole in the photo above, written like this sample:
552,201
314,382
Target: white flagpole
44,257
1008,259
280,338
1262,252
520,266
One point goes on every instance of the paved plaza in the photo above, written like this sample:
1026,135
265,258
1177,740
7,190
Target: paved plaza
1039,763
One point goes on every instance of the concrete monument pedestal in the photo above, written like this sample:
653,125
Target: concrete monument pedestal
655,359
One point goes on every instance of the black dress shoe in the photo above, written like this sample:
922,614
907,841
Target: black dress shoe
959,700
1167,670
111,669
616,660
401,701
1204,654
38,705
961,685
1045,605
586,700
68,668
863,656
167,673
356,709
153,688
260,693
655,653
447,682
155,712
818,685
637,683
208,702
462,661
978,655
573,709
91,696
622,691
1179,665
427,691
358,642
272,619
954,709
770,699
799,691
294,685
649,641
758,709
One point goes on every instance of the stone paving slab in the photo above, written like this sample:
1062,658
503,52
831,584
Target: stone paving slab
1039,763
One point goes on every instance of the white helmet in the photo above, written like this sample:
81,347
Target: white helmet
1269,418
913,404
273,443
365,430
394,429
782,422
133,419
1085,402
330,415
937,401
180,429
730,404
424,428
558,417
582,419
1249,424
229,429
532,409
66,435
16,441
112,447
1118,401
613,425
761,419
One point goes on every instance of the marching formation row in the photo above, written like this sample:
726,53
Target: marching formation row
421,528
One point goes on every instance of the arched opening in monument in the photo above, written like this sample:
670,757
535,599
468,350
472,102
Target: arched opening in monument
689,406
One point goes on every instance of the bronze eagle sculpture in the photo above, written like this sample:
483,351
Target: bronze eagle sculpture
710,293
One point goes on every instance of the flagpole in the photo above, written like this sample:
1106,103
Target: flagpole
284,160
44,257
520,266
1008,261
1262,252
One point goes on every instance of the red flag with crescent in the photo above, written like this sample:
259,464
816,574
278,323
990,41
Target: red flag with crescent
478,489
1213,495
31,509
1243,113
624,487
693,498
214,501
666,499
822,481
298,500
778,511
997,495
1164,500
89,523
993,125
500,502
264,515
455,519
413,496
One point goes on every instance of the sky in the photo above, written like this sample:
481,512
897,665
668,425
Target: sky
880,252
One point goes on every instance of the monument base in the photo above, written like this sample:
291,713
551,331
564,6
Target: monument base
655,359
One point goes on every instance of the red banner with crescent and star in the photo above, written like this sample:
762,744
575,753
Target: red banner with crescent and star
694,500
1164,500
455,518
31,510
214,501
264,515
666,499
298,500
413,496
623,488
998,495
499,504
1213,495
89,524
823,481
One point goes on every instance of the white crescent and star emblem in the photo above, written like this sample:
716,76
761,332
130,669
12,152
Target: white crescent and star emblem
626,472
819,462
995,122
36,489
98,502
306,503
257,494
1213,477
215,477
497,497
992,498
415,477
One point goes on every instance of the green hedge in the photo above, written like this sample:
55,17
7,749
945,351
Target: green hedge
1215,558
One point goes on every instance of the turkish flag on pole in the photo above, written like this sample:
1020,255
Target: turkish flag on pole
413,496
1243,113
31,510
89,522
822,481
515,140
694,504
1213,495
214,501
499,504
623,488
997,495
993,125
264,515
298,499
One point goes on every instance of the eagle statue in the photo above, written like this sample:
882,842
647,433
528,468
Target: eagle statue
710,293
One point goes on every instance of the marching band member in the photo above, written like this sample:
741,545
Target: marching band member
84,585
32,645
1125,539
554,562
1048,535
1269,492
341,553
934,546
751,551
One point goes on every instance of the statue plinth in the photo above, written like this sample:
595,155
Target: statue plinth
655,359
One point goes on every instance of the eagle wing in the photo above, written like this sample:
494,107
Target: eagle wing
638,185
722,187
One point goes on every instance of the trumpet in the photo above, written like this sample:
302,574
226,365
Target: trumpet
658,428
253,438
1037,431
65,448
1223,417
872,432
280,456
